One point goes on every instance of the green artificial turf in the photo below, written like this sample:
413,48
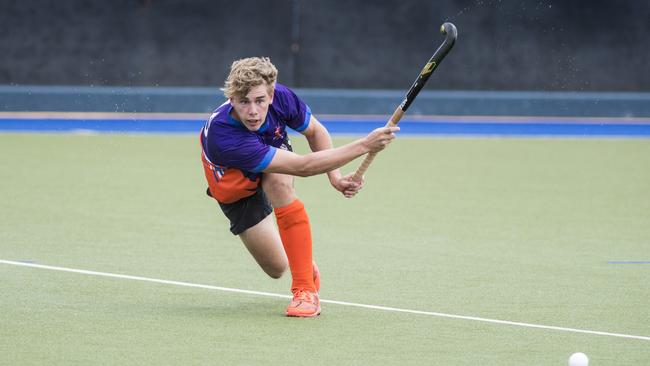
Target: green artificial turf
521,230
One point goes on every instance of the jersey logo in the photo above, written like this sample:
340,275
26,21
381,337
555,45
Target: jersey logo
218,171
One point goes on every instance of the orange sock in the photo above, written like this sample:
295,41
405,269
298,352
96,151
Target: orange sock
295,233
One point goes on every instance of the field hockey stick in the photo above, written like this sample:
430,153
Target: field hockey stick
450,33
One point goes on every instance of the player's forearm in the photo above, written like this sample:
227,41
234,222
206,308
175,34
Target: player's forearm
318,162
331,159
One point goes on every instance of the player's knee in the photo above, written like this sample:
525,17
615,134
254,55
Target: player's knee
276,271
280,189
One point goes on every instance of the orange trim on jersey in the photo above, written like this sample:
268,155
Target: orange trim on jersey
228,185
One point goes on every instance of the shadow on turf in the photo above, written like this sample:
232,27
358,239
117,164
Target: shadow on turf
240,308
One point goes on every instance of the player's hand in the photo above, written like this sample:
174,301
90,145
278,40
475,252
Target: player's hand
348,186
378,139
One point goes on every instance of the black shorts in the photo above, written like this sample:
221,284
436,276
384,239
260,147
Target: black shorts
247,212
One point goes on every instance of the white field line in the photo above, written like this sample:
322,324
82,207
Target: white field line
343,303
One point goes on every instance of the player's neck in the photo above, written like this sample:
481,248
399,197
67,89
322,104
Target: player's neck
234,115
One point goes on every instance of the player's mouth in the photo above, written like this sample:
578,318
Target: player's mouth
254,123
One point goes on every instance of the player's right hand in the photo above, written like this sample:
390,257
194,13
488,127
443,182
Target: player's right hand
378,139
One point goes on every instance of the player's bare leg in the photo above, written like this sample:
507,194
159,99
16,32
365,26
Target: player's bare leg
279,189
264,243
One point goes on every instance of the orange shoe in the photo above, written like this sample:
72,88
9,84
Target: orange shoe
305,304
316,277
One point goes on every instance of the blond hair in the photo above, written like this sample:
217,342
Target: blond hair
247,73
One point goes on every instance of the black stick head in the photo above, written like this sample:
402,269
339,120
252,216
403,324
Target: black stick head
449,30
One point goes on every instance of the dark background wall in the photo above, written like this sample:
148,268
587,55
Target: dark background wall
503,45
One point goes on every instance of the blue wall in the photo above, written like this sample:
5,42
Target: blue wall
330,101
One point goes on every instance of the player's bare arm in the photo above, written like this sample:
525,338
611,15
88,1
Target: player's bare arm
287,162
319,139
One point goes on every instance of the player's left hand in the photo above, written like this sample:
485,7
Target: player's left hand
347,186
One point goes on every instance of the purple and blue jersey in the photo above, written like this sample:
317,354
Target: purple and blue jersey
233,156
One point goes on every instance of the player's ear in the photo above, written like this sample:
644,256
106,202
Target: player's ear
271,91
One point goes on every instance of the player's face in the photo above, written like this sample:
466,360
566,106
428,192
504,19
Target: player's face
251,109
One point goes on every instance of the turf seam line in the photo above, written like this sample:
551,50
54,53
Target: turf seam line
342,303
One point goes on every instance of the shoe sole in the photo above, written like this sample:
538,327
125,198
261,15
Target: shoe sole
303,316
